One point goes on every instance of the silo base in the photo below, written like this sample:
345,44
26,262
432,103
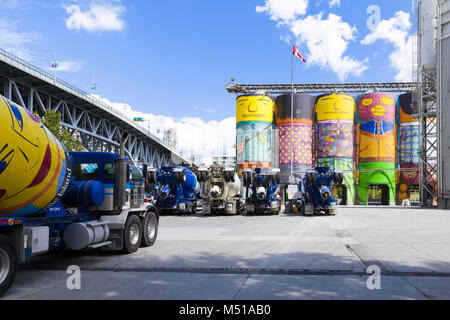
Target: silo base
376,174
345,165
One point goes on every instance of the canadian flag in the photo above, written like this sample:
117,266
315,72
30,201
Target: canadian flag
298,54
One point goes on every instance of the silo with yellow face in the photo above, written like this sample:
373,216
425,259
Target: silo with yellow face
254,130
334,136
34,167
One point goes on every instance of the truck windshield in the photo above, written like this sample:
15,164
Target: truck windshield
109,171
136,174
85,171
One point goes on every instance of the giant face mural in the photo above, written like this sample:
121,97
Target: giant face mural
376,107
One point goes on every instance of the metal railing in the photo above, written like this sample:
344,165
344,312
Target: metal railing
37,72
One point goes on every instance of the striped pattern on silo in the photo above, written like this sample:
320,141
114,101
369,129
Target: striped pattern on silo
409,148
295,147
376,146
254,130
334,136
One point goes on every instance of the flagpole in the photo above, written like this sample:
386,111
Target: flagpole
54,73
292,118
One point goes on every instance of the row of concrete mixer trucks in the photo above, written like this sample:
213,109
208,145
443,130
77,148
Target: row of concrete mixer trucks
214,190
53,200
219,190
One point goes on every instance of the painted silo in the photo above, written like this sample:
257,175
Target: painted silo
409,151
334,139
254,130
295,147
376,147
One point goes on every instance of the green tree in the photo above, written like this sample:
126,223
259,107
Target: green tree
52,120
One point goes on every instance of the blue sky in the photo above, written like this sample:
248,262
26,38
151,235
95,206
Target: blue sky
172,58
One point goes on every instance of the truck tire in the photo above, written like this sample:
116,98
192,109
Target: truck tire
310,178
149,230
191,208
8,264
227,176
132,236
338,178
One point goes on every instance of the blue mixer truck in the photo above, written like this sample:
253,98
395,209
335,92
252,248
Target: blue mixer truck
53,200
262,186
318,191
177,190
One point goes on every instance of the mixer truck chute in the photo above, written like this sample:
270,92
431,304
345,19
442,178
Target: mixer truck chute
262,186
53,200
221,190
318,189
176,190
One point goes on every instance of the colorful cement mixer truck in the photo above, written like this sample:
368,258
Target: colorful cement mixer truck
221,190
176,190
52,200
262,186
318,190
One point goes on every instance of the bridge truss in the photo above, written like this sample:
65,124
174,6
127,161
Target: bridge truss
99,126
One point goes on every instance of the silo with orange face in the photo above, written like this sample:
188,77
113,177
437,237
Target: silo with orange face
376,148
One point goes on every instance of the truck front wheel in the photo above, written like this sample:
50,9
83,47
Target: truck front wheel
132,234
8,264
149,230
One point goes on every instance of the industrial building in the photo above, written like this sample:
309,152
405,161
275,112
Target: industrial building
387,137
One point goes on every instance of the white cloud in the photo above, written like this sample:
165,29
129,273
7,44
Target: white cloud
195,136
396,32
327,40
9,4
102,15
284,10
335,3
17,42
207,110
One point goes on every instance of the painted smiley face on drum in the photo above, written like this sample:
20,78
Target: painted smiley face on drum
32,162
376,107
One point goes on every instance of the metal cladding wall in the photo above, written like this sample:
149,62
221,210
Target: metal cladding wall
334,135
409,148
376,147
294,146
254,131
33,165
444,101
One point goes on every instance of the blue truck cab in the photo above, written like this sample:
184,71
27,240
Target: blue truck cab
102,207
177,190
262,186
318,190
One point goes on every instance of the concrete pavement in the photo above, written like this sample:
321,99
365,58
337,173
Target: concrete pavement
273,257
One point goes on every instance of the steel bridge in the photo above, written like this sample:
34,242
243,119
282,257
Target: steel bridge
99,126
